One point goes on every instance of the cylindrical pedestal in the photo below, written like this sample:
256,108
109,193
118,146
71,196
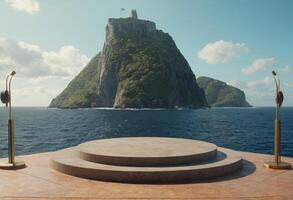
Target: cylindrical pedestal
11,164
277,164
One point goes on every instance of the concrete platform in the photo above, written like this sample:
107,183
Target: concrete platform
146,160
39,181
68,162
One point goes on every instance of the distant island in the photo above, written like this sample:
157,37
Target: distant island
139,67
219,94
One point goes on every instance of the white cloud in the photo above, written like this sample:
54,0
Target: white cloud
221,51
29,6
257,65
41,75
67,56
34,91
264,86
258,92
262,92
31,61
33,95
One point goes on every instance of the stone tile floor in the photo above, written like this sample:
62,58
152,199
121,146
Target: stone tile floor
39,181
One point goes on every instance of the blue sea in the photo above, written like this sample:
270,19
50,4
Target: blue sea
245,129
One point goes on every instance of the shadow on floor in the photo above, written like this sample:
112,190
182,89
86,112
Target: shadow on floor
247,169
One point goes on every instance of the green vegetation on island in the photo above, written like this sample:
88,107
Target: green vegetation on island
219,94
139,67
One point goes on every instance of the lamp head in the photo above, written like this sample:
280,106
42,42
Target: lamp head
280,98
5,97
274,73
13,73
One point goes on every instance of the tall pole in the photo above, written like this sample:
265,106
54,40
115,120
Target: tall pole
277,163
6,98
277,122
11,147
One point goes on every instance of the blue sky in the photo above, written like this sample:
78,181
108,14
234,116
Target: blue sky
236,41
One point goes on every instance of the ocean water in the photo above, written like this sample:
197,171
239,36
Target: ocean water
245,129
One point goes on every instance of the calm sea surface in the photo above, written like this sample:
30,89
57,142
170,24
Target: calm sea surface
245,129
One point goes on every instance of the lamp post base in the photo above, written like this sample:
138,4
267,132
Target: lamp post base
278,165
12,166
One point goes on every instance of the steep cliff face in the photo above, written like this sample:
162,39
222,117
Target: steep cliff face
219,94
139,67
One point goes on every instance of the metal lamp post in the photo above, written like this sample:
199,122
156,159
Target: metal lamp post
6,99
277,163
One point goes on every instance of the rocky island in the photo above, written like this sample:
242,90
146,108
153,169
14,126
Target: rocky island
219,94
139,67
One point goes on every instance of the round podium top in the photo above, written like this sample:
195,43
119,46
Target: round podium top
146,151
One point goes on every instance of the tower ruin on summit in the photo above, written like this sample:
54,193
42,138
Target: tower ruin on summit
133,14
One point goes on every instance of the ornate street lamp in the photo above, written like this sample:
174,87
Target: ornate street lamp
6,99
277,163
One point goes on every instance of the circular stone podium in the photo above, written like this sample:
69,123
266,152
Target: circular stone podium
146,152
146,160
